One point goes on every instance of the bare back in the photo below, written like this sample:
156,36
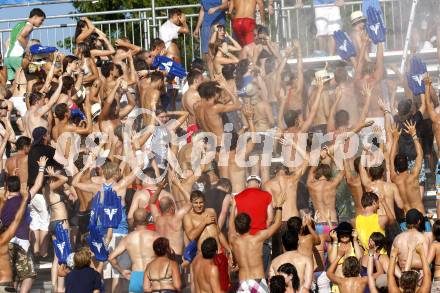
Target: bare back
323,194
245,8
140,248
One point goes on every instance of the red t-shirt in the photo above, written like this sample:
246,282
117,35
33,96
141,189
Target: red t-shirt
254,202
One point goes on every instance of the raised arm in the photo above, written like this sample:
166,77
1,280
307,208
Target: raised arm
411,130
366,181
308,123
433,115
331,270
109,100
7,235
331,126
278,202
53,99
40,177
366,92
371,279
86,33
392,285
396,134
426,282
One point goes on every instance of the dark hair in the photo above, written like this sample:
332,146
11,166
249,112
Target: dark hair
209,248
290,240
140,64
197,64
368,199
376,173
37,12
228,71
67,60
323,170
174,11
161,246
356,164
195,194
22,142
156,76
277,284
341,75
294,224
85,49
225,183
351,267
342,118
242,223
13,184
290,270
79,26
263,30
291,117
404,107
193,75
61,110
34,98
436,230
156,43
68,83
401,163
408,281
92,39
106,68
209,89
379,240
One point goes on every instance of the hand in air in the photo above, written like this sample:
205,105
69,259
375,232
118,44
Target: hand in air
42,161
410,128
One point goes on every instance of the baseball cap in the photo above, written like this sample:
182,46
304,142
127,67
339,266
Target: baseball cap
38,49
356,17
324,75
254,177
96,110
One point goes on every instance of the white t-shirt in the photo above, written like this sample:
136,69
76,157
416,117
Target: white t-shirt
168,32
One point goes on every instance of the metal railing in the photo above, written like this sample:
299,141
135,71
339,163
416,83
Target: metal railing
141,25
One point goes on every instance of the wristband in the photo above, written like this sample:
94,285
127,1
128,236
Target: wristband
415,137
387,112
370,255
40,169
334,243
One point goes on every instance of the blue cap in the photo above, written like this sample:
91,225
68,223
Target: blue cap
38,49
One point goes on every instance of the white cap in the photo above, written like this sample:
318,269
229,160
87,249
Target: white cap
254,177
356,17
96,110
324,75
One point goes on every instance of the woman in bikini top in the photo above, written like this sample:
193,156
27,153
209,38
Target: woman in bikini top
162,274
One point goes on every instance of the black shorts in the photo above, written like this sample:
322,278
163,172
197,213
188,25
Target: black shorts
83,222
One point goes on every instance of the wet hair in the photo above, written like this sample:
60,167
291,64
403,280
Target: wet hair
110,169
379,240
209,89
61,110
277,284
13,184
368,199
291,117
351,267
35,98
323,170
376,173
22,142
195,194
341,75
161,246
85,49
290,270
156,43
225,183
37,12
209,248
408,281
68,83
263,30
174,11
242,223
67,60
342,118
106,68
290,240
82,258
228,71
193,75
294,224
401,163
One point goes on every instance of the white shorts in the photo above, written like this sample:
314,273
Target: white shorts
123,260
19,105
327,20
39,213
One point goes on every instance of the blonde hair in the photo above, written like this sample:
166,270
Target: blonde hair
82,258
109,170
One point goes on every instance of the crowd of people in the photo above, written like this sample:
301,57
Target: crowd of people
241,173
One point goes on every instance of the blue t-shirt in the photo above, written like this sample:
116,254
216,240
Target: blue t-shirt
84,280
219,17
321,2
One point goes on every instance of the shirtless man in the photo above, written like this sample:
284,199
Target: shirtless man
243,23
376,183
407,181
191,97
39,107
302,263
169,220
248,249
406,241
151,94
62,112
354,182
139,246
206,273
352,282
6,275
17,164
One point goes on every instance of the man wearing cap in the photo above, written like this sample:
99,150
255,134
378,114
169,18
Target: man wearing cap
257,203
410,238
321,91
358,26
39,107
18,40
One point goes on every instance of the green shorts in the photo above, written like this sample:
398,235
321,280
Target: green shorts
12,64
22,263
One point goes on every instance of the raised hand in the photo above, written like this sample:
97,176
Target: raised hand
344,45
375,26
367,90
396,131
42,162
319,83
334,236
248,112
382,105
416,76
410,128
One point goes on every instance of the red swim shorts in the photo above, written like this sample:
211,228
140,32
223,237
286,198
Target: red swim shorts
221,261
244,30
